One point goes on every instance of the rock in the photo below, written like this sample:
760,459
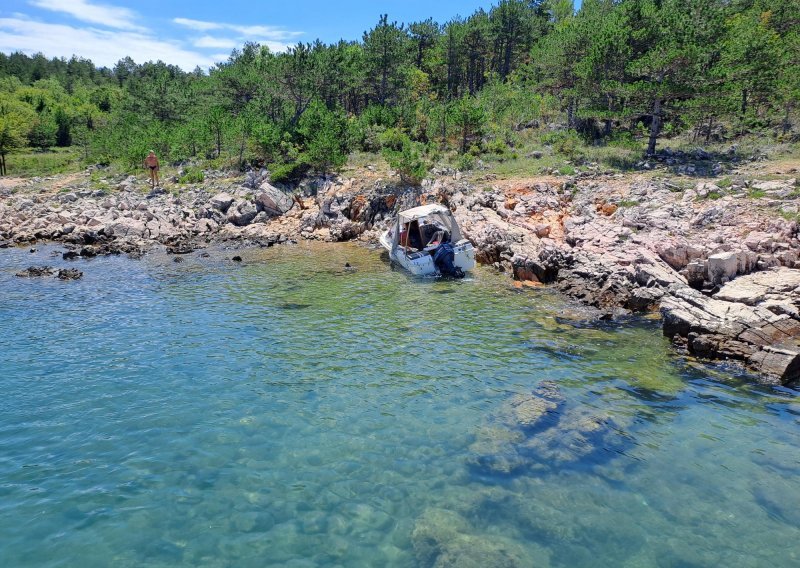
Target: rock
221,202
242,213
494,451
273,201
542,230
527,410
771,185
642,299
767,342
35,272
754,289
69,274
180,248
445,539
126,227
722,267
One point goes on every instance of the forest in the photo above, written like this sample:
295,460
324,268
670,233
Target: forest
614,72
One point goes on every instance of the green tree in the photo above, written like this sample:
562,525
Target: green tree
42,134
751,58
468,117
404,156
386,48
16,119
324,138
670,60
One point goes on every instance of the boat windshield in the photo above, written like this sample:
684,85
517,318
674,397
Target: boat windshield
417,232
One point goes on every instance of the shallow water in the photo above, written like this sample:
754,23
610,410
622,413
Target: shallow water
286,412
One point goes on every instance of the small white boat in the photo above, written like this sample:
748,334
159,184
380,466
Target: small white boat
427,241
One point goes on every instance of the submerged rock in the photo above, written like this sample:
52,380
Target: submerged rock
445,539
69,274
541,431
35,272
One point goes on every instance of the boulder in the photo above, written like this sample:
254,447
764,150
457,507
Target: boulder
242,213
125,227
722,267
221,202
273,201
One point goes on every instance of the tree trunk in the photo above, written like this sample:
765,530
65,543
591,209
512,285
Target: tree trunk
786,124
744,103
571,108
2,164
743,111
710,124
655,127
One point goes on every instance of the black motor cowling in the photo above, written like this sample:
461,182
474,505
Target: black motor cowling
444,259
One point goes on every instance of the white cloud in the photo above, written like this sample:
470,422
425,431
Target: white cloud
197,24
102,14
215,42
102,47
274,46
269,33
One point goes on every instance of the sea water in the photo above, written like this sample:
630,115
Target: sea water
287,411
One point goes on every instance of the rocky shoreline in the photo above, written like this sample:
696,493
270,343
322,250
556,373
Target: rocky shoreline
719,261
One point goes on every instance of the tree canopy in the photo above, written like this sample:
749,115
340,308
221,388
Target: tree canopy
613,65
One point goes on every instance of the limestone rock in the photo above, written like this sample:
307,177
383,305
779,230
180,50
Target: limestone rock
722,267
273,201
241,213
767,342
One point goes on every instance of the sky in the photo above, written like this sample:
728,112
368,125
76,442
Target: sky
190,33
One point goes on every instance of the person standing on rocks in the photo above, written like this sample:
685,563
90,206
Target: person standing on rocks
151,162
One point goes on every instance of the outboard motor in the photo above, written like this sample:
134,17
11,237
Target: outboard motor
444,260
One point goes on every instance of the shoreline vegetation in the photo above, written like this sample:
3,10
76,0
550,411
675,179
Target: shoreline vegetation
637,155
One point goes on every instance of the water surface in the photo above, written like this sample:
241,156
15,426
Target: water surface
287,412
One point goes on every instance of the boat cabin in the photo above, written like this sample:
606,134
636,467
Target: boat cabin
424,228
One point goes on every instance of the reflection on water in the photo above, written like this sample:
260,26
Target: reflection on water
289,411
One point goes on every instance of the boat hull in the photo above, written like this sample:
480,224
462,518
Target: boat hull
420,263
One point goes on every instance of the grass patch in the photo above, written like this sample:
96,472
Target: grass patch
50,162
714,195
724,183
756,193
627,203
566,170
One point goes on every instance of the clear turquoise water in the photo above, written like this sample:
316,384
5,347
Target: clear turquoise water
284,412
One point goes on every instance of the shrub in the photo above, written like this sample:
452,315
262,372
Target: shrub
192,174
465,162
286,172
497,147
565,142
404,156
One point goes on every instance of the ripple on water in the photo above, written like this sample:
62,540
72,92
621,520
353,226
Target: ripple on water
285,411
